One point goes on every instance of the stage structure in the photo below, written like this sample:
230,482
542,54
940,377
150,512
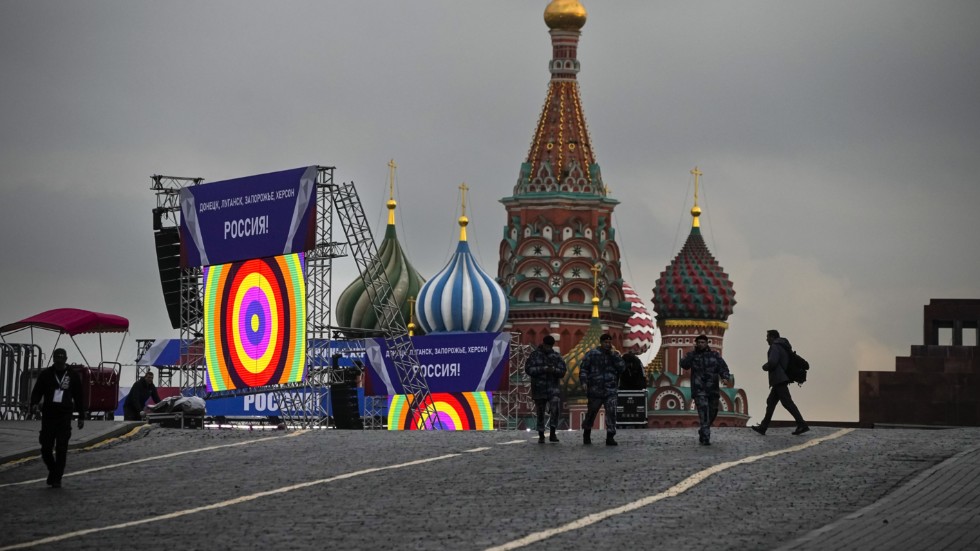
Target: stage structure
188,306
517,397
300,404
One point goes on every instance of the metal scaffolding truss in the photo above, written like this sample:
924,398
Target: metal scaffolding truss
517,398
302,405
190,371
379,292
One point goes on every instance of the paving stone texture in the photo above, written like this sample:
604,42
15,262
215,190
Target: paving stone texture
868,489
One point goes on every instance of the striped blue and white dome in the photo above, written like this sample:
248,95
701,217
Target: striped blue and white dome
462,297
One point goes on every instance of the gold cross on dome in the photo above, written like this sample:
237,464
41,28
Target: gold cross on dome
595,269
391,186
463,187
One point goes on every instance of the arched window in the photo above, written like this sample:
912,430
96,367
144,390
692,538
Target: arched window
537,295
576,296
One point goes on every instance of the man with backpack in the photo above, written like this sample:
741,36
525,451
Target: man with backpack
778,361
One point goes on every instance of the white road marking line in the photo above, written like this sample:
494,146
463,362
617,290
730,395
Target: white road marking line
158,457
476,450
222,504
673,491
513,442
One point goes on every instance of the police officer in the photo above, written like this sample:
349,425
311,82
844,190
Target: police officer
546,368
61,389
599,373
706,367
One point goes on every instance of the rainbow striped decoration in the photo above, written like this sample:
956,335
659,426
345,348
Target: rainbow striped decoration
456,410
255,322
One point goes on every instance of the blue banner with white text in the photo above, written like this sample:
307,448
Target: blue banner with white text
452,362
252,217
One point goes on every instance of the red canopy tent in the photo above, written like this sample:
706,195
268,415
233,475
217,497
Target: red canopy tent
72,321
101,383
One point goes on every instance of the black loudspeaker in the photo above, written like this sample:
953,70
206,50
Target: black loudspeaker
168,261
343,399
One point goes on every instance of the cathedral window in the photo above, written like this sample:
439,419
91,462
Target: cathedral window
537,295
576,296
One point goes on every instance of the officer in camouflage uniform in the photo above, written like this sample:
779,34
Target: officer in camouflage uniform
706,367
599,373
546,368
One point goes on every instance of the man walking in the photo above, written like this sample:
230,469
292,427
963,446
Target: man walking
546,368
706,366
61,390
599,373
777,361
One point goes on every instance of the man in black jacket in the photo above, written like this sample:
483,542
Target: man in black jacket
707,368
632,377
61,390
546,368
778,360
143,389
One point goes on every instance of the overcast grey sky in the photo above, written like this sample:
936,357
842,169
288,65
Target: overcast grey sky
838,141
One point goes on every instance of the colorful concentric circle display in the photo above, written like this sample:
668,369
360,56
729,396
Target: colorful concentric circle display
455,410
255,322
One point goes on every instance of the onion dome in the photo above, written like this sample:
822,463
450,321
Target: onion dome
354,308
572,383
641,327
694,286
462,297
566,15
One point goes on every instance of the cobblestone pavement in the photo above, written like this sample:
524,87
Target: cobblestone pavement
477,490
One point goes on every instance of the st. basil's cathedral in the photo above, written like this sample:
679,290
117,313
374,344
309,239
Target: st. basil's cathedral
559,271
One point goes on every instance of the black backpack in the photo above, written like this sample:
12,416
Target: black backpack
797,368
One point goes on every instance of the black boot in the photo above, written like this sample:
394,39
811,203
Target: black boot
587,437
759,429
553,437
540,437
610,441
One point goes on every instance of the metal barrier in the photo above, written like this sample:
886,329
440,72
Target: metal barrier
19,368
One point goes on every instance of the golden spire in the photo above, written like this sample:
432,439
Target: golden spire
391,192
411,316
463,220
696,210
595,289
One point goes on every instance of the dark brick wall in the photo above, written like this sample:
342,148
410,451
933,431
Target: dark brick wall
936,385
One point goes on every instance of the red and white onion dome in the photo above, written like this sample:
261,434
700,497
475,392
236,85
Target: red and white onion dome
641,328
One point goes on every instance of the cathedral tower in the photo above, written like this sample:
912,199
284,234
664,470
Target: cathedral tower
692,296
559,218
